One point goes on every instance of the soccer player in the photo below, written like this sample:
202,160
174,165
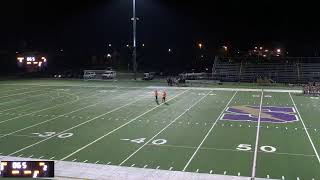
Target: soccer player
164,95
156,94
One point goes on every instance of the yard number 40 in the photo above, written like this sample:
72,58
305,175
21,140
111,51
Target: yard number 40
247,147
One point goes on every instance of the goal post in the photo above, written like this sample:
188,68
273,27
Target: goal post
99,74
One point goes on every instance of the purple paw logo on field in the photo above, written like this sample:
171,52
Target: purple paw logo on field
272,114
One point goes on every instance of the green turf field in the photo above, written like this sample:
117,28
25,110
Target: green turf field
197,130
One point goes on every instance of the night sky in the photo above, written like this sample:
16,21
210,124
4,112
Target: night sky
49,25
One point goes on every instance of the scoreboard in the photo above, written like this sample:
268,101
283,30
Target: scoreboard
29,169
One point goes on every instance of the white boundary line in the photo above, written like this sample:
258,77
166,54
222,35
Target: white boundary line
205,137
229,89
92,119
61,115
254,163
164,128
304,126
118,128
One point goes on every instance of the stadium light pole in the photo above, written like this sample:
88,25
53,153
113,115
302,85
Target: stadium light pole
134,54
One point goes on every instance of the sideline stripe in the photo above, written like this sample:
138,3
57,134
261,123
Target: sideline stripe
254,163
304,126
119,127
213,125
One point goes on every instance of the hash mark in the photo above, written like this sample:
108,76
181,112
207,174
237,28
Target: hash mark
210,171
268,176
41,157
282,177
225,172
52,157
197,170
158,167
74,160
31,156
20,155
298,178
108,163
85,161
96,162
132,165
145,166
238,173
170,168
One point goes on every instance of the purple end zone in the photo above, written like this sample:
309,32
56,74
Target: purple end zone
272,114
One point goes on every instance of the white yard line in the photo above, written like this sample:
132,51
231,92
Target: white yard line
151,139
254,163
118,128
47,108
92,119
205,137
305,128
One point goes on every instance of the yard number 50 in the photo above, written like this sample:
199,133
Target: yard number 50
247,147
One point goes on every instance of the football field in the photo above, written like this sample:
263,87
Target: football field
235,132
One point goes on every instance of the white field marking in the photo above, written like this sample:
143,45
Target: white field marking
286,128
108,163
24,104
170,168
97,117
282,177
22,136
62,116
253,175
231,125
132,165
197,170
268,176
151,139
210,172
49,108
30,156
52,158
225,172
96,162
233,150
20,155
158,167
41,157
205,137
145,166
298,178
238,173
20,93
16,89
110,132
125,139
314,148
0,153
85,161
